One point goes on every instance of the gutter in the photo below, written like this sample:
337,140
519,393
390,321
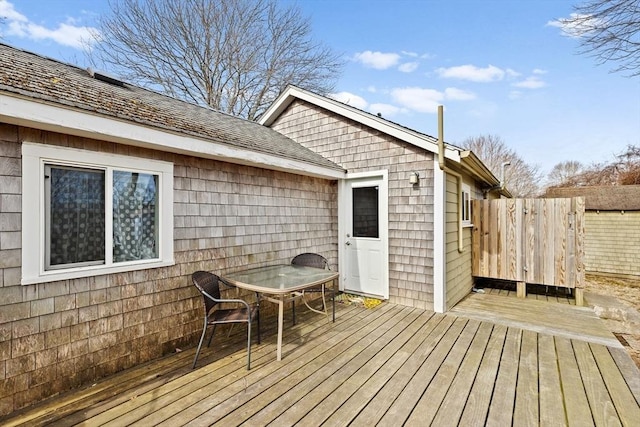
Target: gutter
443,167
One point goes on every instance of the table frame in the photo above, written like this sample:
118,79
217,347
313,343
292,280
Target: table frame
284,293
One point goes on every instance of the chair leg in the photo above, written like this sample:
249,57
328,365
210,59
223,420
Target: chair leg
293,311
204,331
333,301
213,331
249,344
258,314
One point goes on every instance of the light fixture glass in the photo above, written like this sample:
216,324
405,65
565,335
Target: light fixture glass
414,178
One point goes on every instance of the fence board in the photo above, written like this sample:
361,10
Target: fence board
537,241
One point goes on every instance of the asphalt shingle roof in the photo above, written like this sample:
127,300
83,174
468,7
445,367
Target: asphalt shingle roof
54,82
602,198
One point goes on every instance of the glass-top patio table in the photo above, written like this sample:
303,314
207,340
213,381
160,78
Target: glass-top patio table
280,284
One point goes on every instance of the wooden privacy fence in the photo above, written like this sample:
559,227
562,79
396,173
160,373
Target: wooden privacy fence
538,241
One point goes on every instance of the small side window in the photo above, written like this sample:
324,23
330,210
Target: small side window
465,199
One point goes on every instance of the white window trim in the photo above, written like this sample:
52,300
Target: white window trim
34,157
465,188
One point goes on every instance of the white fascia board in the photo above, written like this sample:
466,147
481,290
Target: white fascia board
399,132
38,115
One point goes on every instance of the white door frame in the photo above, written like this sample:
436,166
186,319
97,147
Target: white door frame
343,199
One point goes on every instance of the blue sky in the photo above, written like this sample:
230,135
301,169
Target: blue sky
499,67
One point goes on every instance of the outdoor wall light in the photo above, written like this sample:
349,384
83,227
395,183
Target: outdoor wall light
414,178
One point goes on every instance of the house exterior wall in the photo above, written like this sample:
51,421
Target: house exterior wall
612,242
358,148
459,281
59,335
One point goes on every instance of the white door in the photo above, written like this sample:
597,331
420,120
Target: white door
364,240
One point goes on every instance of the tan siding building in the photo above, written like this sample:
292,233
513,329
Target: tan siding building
612,228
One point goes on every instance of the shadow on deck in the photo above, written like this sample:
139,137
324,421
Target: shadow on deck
390,365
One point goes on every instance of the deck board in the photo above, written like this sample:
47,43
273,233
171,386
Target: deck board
544,317
387,366
551,408
527,393
454,403
380,392
477,403
600,403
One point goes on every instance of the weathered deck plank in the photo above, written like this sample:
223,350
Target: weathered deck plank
233,390
335,396
602,408
404,403
390,365
623,399
378,393
504,390
454,403
576,403
431,398
527,393
551,408
477,404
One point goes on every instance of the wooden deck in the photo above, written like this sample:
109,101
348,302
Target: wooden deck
387,366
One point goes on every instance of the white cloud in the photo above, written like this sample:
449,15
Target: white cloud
377,60
472,73
66,33
8,12
411,54
408,67
455,94
418,99
539,71
576,25
533,82
515,94
427,100
512,73
350,99
385,110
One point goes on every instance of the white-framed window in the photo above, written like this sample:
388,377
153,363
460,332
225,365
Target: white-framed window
86,213
465,200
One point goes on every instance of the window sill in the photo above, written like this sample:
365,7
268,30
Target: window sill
54,276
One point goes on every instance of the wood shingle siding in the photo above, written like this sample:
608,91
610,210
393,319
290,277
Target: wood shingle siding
358,148
58,335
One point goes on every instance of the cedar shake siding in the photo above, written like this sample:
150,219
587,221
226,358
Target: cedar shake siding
59,335
358,148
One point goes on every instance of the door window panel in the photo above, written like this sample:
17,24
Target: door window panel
365,212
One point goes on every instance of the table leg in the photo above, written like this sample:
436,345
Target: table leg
280,321
333,300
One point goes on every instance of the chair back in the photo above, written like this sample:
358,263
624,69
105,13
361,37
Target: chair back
311,260
207,283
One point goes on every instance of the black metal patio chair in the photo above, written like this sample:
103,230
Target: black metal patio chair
209,286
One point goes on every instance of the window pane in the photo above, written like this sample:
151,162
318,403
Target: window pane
135,216
75,216
365,212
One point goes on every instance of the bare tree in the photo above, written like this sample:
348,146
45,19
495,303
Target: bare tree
623,170
564,172
233,55
521,179
609,30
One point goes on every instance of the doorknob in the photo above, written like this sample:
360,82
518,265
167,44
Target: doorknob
348,243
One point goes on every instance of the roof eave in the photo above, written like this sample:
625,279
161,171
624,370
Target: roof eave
473,165
292,93
24,111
